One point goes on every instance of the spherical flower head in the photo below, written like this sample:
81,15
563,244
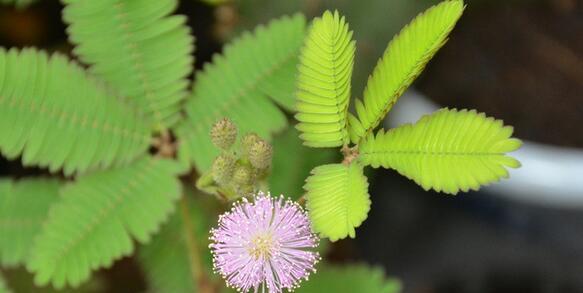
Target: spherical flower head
224,134
266,243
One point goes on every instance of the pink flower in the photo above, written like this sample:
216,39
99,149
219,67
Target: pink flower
264,243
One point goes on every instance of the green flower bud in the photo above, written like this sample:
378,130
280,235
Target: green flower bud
224,134
223,168
260,155
243,175
243,180
248,141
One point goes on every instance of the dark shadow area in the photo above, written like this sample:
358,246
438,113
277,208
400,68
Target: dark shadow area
473,242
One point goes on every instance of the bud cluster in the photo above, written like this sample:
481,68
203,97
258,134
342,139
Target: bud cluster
241,167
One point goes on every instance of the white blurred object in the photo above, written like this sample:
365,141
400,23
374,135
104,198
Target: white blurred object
550,175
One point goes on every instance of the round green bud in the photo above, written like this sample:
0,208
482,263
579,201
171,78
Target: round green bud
243,180
243,175
223,168
248,141
224,134
260,154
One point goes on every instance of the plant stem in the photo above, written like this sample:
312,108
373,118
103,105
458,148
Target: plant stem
302,200
3,281
196,267
349,153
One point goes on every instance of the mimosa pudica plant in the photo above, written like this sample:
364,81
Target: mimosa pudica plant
125,134
448,151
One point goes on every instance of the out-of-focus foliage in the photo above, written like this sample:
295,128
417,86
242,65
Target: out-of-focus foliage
18,4
19,280
44,120
126,43
215,2
3,287
166,259
348,279
289,175
238,85
24,205
99,216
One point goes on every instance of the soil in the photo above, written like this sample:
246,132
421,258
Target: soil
520,61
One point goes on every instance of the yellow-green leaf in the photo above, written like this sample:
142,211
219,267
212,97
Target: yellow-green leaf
448,151
337,199
324,77
403,60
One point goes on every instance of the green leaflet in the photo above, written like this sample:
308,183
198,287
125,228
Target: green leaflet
403,60
237,85
56,116
324,77
98,217
337,199
448,151
166,259
349,279
288,175
136,47
24,205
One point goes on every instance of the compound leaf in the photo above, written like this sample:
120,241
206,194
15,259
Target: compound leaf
24,206
99,215
56,116
324,76
348,279
337,199
403,60
448,151
238,85
136,47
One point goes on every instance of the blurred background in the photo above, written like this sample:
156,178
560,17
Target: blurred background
516,60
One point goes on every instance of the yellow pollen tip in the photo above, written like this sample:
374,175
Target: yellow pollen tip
261,246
